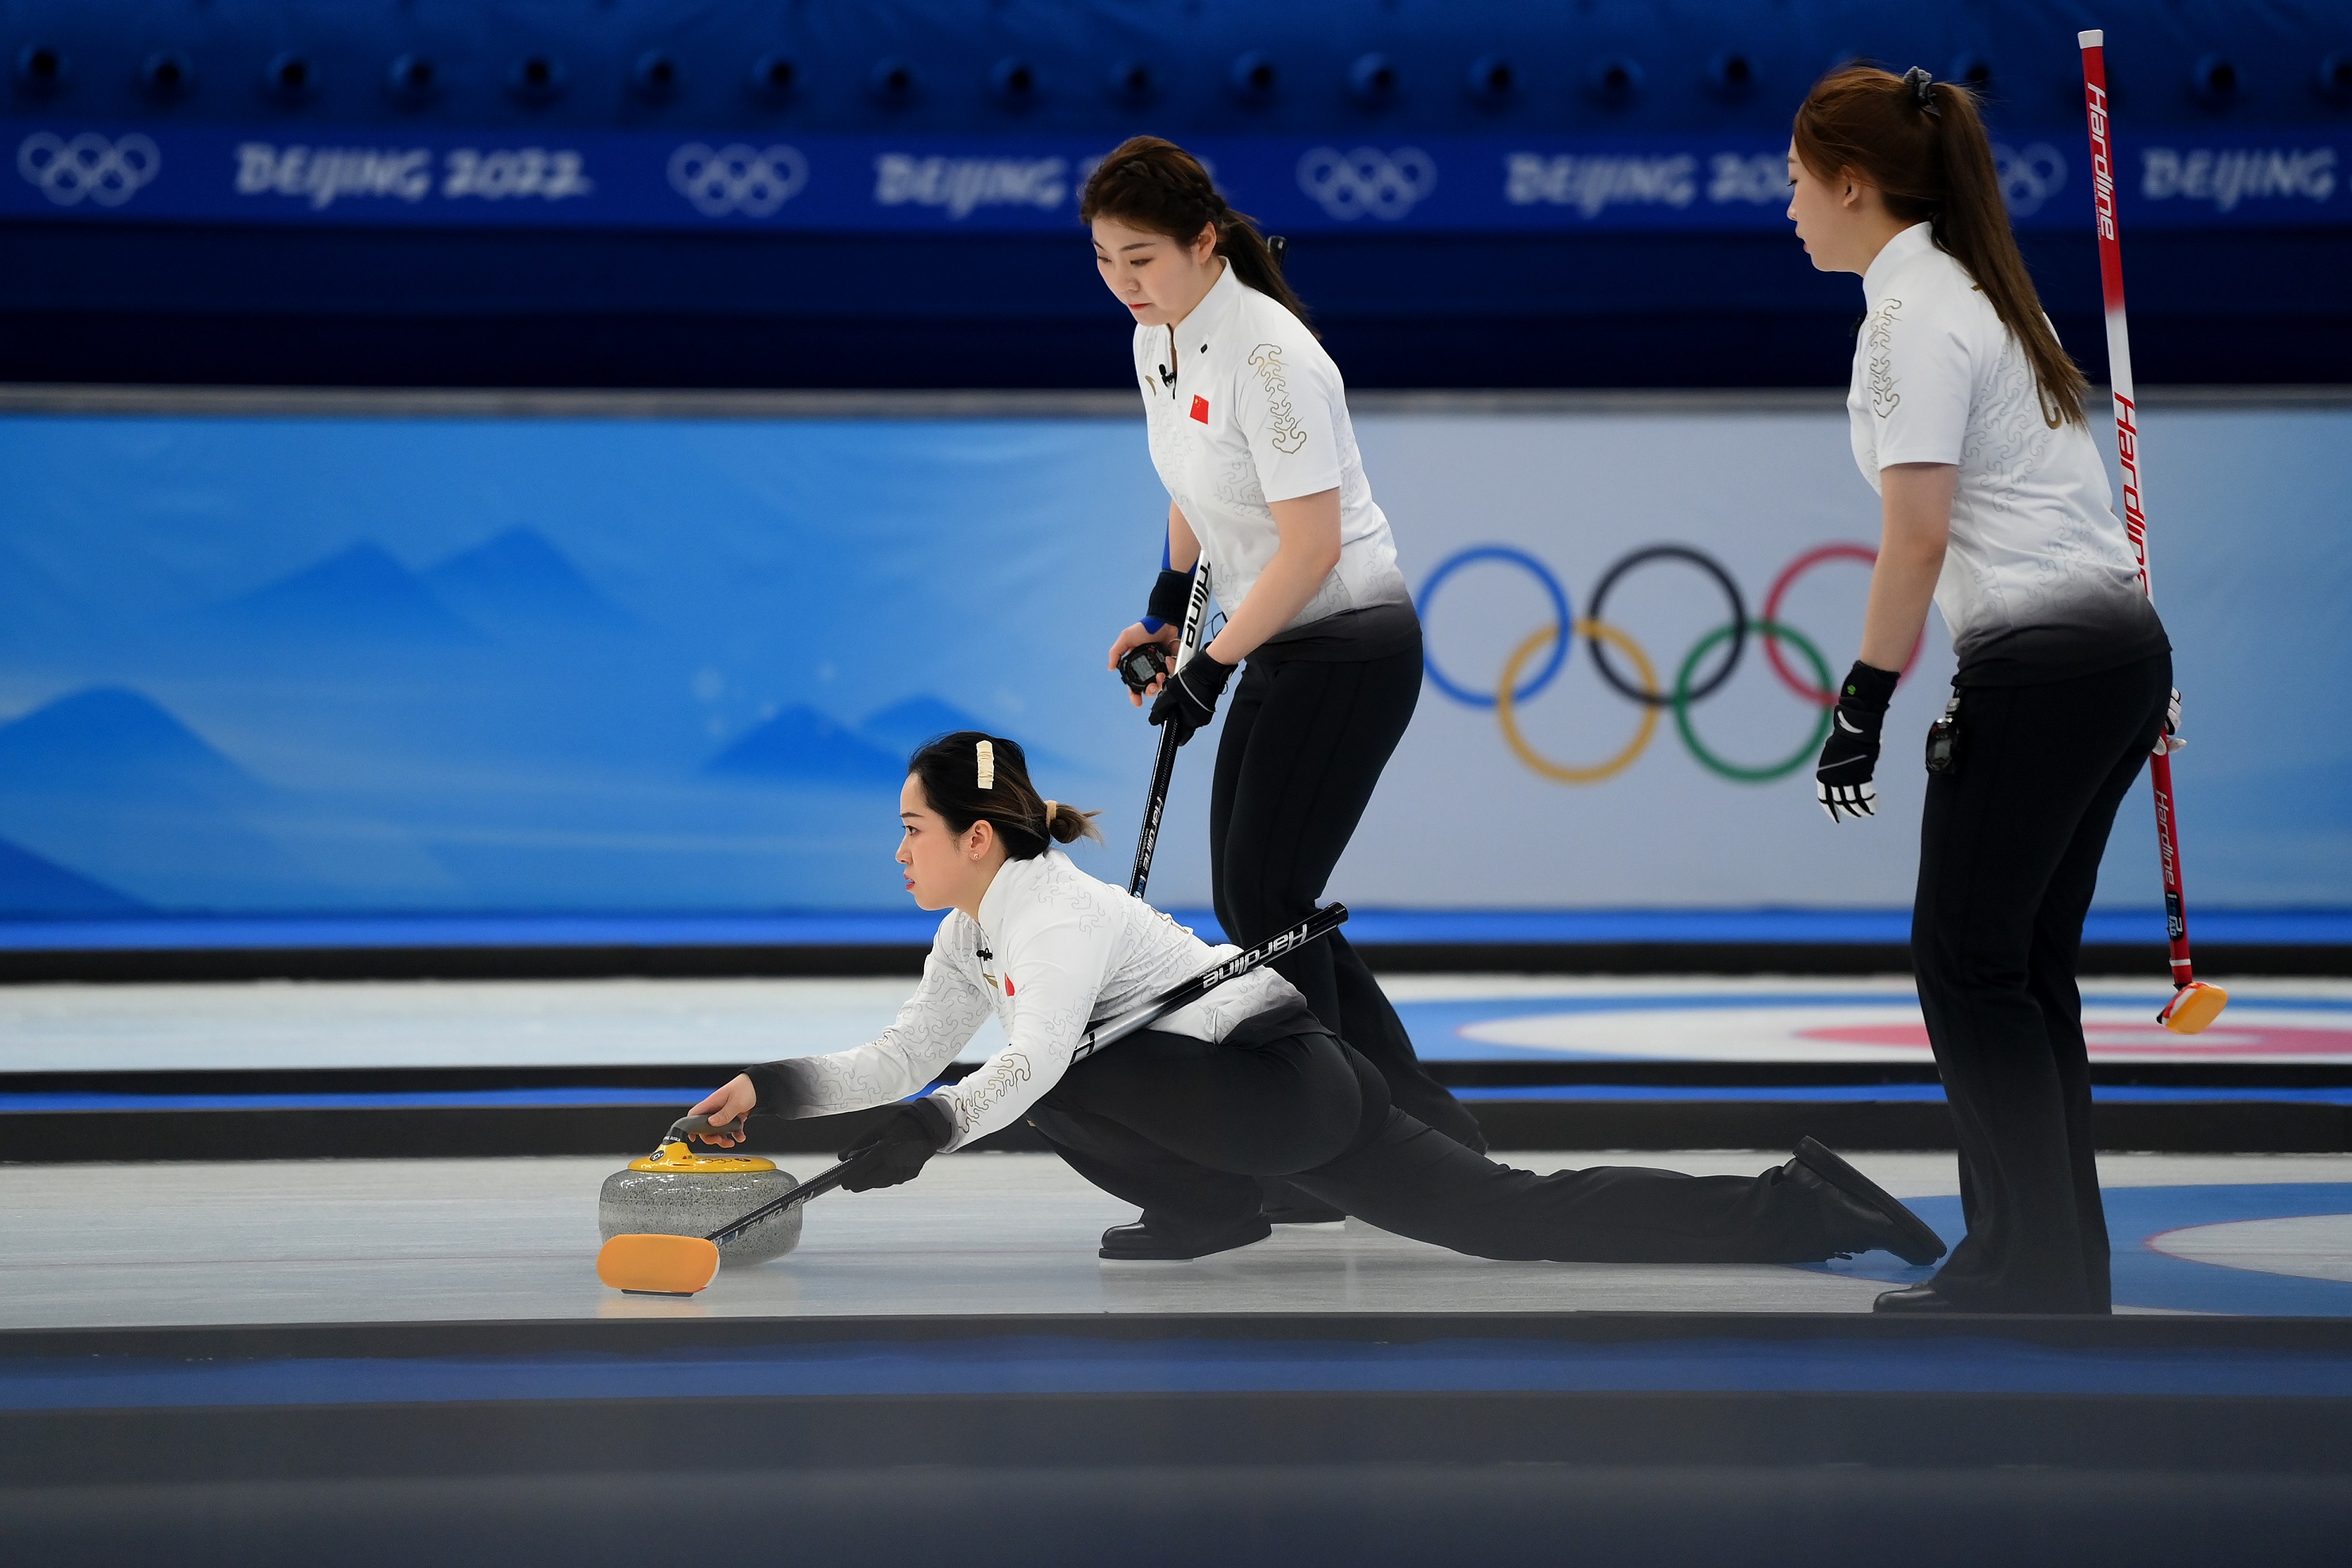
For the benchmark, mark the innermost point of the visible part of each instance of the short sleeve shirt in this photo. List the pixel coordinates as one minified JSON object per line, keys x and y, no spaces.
{"x":1245,"y":409}
{"x":2040,"y":582}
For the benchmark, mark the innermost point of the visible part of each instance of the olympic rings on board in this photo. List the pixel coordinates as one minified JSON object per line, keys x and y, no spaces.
{"x":108,"y":172}
{"x":1684,"y":695}
{"x":1825,"y":693}
{"x":1366,"y":180}
{"x":1507,"y":711}
{"x":1691,"y":684}
{"x":1559,"y":634}
{"x":1707,"y":563}
{"x":737,"y":177}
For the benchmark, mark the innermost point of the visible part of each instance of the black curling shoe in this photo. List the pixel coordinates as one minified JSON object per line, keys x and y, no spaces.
{"x":1144,"y":1242}
{"x":1916,"y":1299}
{"x":1879,"y":1219}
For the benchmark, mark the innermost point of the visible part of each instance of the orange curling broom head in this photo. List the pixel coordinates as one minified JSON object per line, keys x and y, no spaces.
{"x":657,"y":1265}
{"x":2192,"y":1006}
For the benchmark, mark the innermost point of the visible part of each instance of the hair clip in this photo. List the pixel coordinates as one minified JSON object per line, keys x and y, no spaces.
{"x":987,"y":751}
{"x":1922,"y":86}
{"x":1051,"y":807}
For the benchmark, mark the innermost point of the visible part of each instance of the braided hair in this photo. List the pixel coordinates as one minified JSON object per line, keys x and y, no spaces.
{"x":1922,"y":143}
{"x":1150,"y":183}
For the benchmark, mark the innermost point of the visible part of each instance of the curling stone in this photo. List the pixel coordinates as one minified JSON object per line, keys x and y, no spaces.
{"x":676,"y":1192}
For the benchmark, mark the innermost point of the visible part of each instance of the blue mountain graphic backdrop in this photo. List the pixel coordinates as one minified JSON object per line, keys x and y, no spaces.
{"x":348,"y":665}
{"x":608,"y":667}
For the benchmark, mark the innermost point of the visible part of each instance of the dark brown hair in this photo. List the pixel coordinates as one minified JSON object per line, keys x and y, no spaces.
{"x":950,"y":770}
{"x":1150,"y":183}
{"x":1932,"y":164}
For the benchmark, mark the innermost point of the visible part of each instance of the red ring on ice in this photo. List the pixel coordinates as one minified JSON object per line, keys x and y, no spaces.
{"x":2133,"y":1039}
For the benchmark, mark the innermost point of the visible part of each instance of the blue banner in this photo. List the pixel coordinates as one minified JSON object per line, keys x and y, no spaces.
{"x":270,"y":666}
{"x":67,"y":170}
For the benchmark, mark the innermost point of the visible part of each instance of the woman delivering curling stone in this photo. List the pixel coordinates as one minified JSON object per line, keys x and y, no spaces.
{"x":1967,"y":418}
{"x":1249,"y":430}
{"x":1184,"y":1118}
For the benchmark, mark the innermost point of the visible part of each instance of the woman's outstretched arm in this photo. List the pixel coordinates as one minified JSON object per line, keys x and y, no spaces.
{"x":936,"y":1023}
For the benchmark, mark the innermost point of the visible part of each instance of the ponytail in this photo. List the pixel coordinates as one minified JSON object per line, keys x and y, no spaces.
{"x":1247,"y":253}
{"x":1150,"y":183}
{"x":1922,"y":143}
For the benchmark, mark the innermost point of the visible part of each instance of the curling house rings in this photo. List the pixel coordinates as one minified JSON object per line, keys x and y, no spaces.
{"x":1626,"y":668}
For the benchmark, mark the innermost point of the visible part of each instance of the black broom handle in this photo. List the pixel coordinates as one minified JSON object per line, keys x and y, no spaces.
{"x":1164,"y":760}
{"x":1320,"y":923}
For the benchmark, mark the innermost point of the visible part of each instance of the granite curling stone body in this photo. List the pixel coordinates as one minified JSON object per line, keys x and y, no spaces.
{"x":676,"y":1192}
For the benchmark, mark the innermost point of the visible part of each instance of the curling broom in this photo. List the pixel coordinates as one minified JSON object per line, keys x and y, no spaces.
{"x":2195,"y":1003}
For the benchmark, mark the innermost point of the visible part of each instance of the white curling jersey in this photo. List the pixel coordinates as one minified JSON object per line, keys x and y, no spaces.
{"x":2038,"y":581}
{"x":1053,"y":952}
{"x":1256,"y":413}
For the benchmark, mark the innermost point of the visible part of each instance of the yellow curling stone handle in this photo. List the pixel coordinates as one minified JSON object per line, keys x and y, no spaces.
{"x":676,"y":1155}
{"x":679,"y":1157}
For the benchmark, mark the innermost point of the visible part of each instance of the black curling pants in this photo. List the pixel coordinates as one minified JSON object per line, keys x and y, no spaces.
{"x":1183,"y":1129}
{"x":1304,"y":743}
{"x":2009,"y":857}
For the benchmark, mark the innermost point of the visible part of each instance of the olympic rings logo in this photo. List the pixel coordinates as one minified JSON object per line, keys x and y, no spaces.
{"x":1350,"y":184}
{"x":2028,"y":175}
{"x":89,"y":166}
{"x":1623,"y":666}
{"x":737,"y":178}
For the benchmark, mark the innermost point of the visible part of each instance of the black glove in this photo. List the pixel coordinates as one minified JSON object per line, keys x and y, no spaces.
{"x":1189,"y":700}
{"x":896,"y":1150}
{"x":1850,"y":756}
{"x":1172,"y":596}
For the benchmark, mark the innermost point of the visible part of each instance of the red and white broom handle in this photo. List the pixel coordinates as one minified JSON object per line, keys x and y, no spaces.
{"x":2119,"y":373}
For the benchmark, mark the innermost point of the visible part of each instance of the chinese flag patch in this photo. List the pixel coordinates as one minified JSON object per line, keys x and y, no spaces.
{"x":1201,"y":409}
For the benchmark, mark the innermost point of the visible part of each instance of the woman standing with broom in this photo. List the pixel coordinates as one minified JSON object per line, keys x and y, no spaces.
{"x":1967,"y":417}
{"x":1249,"y":431}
